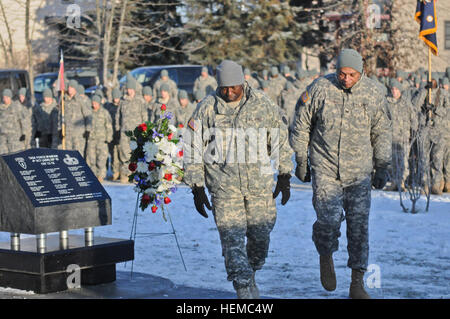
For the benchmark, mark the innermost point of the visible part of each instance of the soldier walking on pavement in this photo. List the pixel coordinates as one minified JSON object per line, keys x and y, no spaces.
{"x":241,"y":191}
{"x":342,"y":127}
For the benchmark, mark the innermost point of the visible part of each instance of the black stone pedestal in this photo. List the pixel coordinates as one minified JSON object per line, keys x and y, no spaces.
{"x":45,"y":272}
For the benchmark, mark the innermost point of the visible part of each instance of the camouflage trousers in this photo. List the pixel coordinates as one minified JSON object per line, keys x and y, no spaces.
{"x":400,"y":166}
{"x":330,"y":200}
{"x":75,"y":142}
{"x":96,"y":157}
{"x":10,"y":145}
{"x":433,"y":160}
{"x":124,"y":155}
{"x":113,"y":150}
{"x":239,"y":219}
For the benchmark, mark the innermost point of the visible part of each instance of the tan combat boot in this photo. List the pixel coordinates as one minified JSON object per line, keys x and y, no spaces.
{"x":436,"y":189}
{"x":447,"y":187}
{"x":115,"y":176}
{"x":357,"y":290}
{"x":253,"y":288}
{"x":243,"y":292}
{"x":124,"y":180}
{"x":327,"y":273}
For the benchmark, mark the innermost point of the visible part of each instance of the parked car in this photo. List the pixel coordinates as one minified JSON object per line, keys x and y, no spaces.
{"x":86,"y":77}
{"x":41,"y":82}
{"x":183,"y":75}
{"x":14,"y":79}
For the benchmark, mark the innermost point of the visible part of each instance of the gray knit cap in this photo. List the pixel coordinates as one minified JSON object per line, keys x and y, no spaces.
{"x":116,"y":94}
{"x":97,"y":98}
{"x":147,"y":91}
{"x":350,"y":58}
{"x":7,"y":92}
{"x":47,"y":93}
{"x":229,"y":73}
{"x":164,"y":87}
{"x":182,"y":94}
{"x":131,"y":84}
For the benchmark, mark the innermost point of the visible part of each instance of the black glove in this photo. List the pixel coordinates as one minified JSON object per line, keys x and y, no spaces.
{"x":429,"y":85}
{"x":283,"y":186}
{"x":49,"y":139}
{"x":201,"y":199}
{"x":22,"y":138}
{"x":38,"y":134}
{"x":380,"y":178}
{"x":86,"y":134}
{"x":302,"y":171}
{"x":60,"y":134}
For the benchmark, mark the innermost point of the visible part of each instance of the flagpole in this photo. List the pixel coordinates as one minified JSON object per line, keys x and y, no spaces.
{"x":429,"y":75}
{"x":63,"y":124}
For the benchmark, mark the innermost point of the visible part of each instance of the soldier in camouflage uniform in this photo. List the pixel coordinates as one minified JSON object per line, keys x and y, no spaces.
{"x":403,"y":117}
{"x":113,"y":148}
{"x":97,"y":144}
{"x":147,"y":93}
{"x":205,"y":82}
{"x":250,"y":79}
{"x":241,"y":190}
{"x":186,"y":109}
{"x":130,"y":114}
{"x":171,"y":104}
{"x":24,"y":103}
{"x":45,"y":121}
{"x":164,"y":79}
{"x":288,"y":100}
{"x":433,"y":127}
{"x":77,"y":120}
{"x":342,"y":127}
{"x":276,"y":85}
{"x":12,"y":126}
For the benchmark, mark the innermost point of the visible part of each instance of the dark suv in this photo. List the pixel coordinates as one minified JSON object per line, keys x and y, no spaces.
{"x":14,"y":79}
{"x":183,"y":75}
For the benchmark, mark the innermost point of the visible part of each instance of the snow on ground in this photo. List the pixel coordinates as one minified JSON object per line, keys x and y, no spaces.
{"x":409,"y":254}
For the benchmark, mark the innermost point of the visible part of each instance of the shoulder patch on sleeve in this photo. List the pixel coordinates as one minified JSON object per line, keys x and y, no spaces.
{"x":192,"y":125}
{"x":305,"y":96}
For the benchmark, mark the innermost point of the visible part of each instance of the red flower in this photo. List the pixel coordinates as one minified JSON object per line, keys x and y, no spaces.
{"x":180,"y":153}
{"x":170,"y":136}
{"x":167,"y":200}
{"x":180,"y":125}
{"x":143,"y":127}
{"x":168,"y":176}
{"x":151,"y":166}
{"x":132,"y":166}
{"x":163,"y":107}
{"x":154,"y":208}
{"x":145,"y":199}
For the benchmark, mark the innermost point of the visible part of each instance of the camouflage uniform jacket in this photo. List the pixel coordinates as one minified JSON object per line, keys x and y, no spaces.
{"x":77,"y":115}
{"x":9,"y":117}
{"x":184,"y":114}
{"x":214,"y":158}
{"x":172,"y":106}
{"x":130,"y":114}
{"x":403,"y":119}
{"x":102,"y":129}
{"x":173,"y":88}
{"x":346,"y":131}
{"x":208,"y":85}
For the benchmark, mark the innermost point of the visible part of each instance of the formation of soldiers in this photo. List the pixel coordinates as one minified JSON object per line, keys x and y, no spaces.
{"x":96,"y":126}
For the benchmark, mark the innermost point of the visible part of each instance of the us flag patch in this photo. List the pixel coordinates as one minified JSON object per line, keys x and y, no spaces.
{"x":192,"y":125}
{"x":305,"y":97}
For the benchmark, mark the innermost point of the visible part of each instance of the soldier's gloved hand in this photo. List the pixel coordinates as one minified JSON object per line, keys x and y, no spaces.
{"x":201,"y":199}
{"x":283,"y":186}
{"x":60,"y":134}
{"x":22,"y":138}
{"x":86,"y":134}
{"x":380,"y":178}
{"x":38,"y":134}
{"x":302,"y":171}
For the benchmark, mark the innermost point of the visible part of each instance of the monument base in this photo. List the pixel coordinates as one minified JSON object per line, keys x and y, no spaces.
{"x":43,"y":272}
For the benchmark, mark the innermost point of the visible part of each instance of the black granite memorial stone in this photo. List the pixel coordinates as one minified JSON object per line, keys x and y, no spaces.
{"x":45,"y":191}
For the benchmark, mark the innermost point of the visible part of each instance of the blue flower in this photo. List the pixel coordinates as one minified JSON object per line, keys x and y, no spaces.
{"x":168,"y":115}
{"x":155,"y":134}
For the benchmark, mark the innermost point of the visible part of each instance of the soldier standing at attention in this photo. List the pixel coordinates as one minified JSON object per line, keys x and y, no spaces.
{"x":130,"y":114}
{"x":241,"y":190}
{"x":97,"y":144}
{"x":342,"y":127}
{"x":45,"y":121}
{"x":112,"y":108}
{"x":11,"y":134}
{"x":205,"y":82}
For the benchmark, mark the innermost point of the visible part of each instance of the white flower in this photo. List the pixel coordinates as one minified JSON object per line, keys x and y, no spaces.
{"x":150,"y":150}
{"x":142,"y":167}
{"x":172,"y":128}
{"x":133,"y":145}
